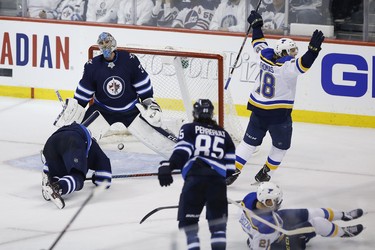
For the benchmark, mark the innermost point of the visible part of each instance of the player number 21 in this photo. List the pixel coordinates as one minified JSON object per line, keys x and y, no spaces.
{"x":267,"y":84}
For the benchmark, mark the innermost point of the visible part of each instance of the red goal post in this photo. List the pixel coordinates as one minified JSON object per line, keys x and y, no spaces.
{"x":180,"y":77}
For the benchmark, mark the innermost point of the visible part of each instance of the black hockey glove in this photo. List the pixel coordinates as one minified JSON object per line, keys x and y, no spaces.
{"x":231,"y":178}
{"x":316,"y":41}
{"x":255,"y":20}
{"x":165,"y":174}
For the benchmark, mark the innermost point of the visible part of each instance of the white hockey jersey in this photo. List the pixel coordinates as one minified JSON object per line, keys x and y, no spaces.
{"x":102,"y":11}
{"x":36,"y":6}
{"x":260,"y":235}
{"x":277,"y":79}
{"x":230,"y":16}
{"x":163,"y":15}
{"x":73,"y":10}
{"x":194,"y":18}
{"x":144,"y":11}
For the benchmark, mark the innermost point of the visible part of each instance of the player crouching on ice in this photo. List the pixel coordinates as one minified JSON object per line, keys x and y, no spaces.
{"x":266,"y":203}
{"x":68,"y":155}
{"x":205,"y":154}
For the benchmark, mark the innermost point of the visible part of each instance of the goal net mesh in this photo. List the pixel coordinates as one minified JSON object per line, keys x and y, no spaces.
{"x":180,"y":77}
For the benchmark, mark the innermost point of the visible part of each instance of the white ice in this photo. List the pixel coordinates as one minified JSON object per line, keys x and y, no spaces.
{"x":327,"y":166}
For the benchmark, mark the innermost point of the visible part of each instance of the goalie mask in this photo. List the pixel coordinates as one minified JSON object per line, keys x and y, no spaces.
{"x":107,"y":44}
{"x":270,"y":195}
{"x":286,"y":46}
{"x":203,"y":109}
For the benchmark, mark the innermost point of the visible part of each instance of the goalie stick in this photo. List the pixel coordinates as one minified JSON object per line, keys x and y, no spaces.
{"x":156,"y":210}
{"x":120,"y":176}
{"x":62,"y":104}
{"x":280,"y":229}
{"x":240,"y":51}
{"x":96,"y":191}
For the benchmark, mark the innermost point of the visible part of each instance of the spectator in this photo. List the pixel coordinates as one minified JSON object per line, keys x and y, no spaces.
{"x":163,"y":13}
{"x":344,"y":9}
{"x":42,"y":8}
{"x":73,"y":10}
{"x":306,"y":11}
{"x":102,"y":11}
{"x":195,"y":14}
{"x":273,"y":17}
{"x":144,"y":8}
{"x":230,"y":16}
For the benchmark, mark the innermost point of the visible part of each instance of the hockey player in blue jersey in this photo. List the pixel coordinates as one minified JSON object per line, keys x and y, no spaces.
{"x":266,"y":201}
{"x":205,"y":155}
{"x":271,"y":101}
{"x":69,"y":154}
{"x":122,"y":92}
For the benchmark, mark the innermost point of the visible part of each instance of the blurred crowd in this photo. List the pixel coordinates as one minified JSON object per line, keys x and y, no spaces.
{"x":224,"y":15}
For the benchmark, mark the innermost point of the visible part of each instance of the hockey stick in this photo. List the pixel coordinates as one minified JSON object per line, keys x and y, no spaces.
{"x":240,"y":51}
{"x":60,"y":98}
{"x":156,"y":210}
{"x":120,"y":176}
{"x":96,"y":191}
{"x":302,"y":230}
{"x":62,"y":104}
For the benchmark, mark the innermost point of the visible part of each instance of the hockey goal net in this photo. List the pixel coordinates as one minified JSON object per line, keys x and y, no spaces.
{"x":180,"y":77}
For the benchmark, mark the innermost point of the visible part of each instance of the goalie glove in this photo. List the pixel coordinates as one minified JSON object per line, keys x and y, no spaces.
{"x":150,"y":111}
{"x":72,"y":112}
{"x":165,"y":174}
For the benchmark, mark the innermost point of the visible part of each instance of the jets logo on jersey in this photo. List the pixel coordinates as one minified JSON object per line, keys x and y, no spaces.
{"x":114,"y":87}
{"x":191,"y":19}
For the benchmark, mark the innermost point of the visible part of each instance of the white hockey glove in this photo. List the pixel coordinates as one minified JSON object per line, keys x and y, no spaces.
{"x":72,"y":112}
{"x":150,"y":111}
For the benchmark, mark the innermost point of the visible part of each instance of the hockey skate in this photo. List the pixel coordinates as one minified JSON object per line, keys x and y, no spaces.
{"x":45,"y":180}
{"x":262,"y":175}
{"x":351,"y":231}
{"x":51,"y":191}
{"x":229,"y":180}
{"x":351,"y":215}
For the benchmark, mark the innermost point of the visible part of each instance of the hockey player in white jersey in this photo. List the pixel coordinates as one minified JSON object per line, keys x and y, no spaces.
{"x":143,"y":15}
{"x":265,"y":203}
{"x":102,"y":11}
{"x":272,"y":99}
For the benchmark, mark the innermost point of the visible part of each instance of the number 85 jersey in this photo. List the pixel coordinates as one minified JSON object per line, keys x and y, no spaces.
{"x":210,"y":143}
{"x":275,"y":91}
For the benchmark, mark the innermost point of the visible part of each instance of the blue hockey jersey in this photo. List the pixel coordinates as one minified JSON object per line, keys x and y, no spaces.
{"x":212,"y":144}
{"x":117,"y":85}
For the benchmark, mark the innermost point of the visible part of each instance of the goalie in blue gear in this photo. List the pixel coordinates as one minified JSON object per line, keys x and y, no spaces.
{"x":205,"y":155}
{"x":121,"y":91}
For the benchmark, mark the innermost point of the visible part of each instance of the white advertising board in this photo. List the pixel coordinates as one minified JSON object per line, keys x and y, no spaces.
{"x":52,"y":55}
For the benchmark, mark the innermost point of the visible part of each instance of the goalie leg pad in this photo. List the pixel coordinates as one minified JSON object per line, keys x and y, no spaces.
{"x":156,"y":138}
{"x":97,"y":125}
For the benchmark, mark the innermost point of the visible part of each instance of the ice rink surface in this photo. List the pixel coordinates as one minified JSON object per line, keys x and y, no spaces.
{"x":327,"y":166}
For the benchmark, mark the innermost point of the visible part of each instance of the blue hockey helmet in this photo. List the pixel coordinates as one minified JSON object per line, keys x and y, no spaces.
{"x":107,"y":44}
{"x":203,"y":109}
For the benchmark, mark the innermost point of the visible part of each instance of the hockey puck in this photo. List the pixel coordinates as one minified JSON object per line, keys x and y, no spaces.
{"x":120,"y":146}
